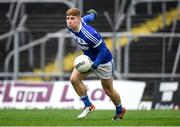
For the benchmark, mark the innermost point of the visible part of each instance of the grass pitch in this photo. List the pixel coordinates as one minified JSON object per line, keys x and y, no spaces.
{"x":12,"y":117}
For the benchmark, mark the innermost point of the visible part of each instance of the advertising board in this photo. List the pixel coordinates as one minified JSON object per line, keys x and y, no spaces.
{"x":60,"y":94}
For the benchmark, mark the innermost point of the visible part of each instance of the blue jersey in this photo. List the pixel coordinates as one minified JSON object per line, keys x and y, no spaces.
{"x":91,"y":43}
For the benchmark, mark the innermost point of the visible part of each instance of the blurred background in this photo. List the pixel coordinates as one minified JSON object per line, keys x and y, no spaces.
{"x":143,"y":36}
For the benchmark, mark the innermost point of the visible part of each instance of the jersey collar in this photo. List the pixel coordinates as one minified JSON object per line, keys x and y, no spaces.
{"x":80,"y":26}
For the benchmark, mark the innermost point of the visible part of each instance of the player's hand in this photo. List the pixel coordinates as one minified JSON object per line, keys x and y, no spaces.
{"x":91,"y":69}
{"x":92,"y":11}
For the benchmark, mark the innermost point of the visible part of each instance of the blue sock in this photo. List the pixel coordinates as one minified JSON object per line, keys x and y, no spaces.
{"x":118,"y":109}
{"x":86,"y":101}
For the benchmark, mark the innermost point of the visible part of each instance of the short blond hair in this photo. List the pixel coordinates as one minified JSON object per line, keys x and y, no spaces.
{"x":73,"y":12}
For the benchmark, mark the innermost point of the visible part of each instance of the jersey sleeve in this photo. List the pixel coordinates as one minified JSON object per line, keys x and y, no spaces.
{"x":94,"y":38}
{"x":89,"y":18}
{"x":97,"y":42}
{"x":101,"y":55}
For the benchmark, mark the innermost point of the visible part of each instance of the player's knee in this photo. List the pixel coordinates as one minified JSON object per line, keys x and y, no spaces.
{"x":107,"y":92}
{"x":74,"y":80}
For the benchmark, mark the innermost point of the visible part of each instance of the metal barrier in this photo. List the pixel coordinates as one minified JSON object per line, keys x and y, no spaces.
{"x":62,"y":36}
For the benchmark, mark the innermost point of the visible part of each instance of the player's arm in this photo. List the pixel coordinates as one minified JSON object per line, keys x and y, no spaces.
{"x":100,"y":57}
{"x":91,"y":15}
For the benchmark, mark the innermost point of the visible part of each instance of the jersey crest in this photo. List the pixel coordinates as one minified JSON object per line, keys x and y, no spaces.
{"x":82,"y":44}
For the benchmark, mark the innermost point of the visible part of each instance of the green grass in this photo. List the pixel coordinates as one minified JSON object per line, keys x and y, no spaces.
{"x":12,"y":117}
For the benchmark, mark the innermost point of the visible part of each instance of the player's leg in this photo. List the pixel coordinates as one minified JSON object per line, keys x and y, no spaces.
{"x":76,"y":80}
{"x":110,"y":91}
{"x":105,"y":72}
{"x":107,"y":85}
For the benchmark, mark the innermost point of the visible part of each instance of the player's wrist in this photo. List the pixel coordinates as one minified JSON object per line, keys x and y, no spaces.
{"x":93,"y":67}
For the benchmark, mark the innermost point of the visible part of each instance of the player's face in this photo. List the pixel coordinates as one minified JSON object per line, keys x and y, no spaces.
{"x":73,"y":22}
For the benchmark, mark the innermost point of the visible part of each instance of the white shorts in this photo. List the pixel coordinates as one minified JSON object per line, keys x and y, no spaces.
{"x":105,"y":71}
